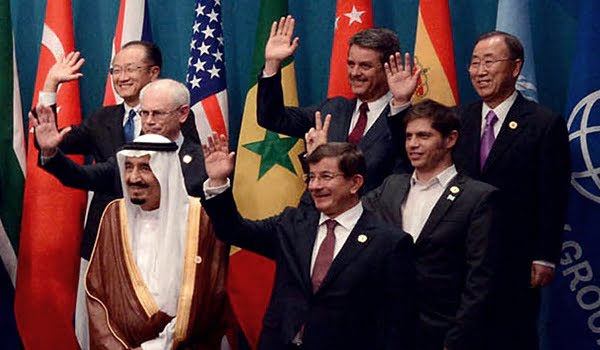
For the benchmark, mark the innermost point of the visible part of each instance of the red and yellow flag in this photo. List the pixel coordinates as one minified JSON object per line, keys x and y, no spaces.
{"x":434,"y":53}
{"x":350,"y":17}
{"x":52,"y":221}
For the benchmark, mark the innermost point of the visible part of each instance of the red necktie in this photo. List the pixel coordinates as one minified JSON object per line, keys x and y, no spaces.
{"x":359,"y":129}
{"x":324,"y":256}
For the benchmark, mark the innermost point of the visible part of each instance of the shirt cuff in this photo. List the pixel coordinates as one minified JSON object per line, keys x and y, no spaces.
{"x":47,"y":98}
{"x":210,"y":192}
{"x":397,"y":109}
{"x":264,"y":75}
{"x":46,"y":159}
{"x":544,"y":263}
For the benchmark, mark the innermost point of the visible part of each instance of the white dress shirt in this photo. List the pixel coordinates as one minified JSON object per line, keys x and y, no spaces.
{"x":501,"y":111}
{"x":421,"y":198}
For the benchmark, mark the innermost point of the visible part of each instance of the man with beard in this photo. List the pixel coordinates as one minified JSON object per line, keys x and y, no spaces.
{"x":156,"y":277}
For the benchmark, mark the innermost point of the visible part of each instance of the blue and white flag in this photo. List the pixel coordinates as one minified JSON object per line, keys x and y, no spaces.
{"x":513,"y":18}
{"x":571,"y":304}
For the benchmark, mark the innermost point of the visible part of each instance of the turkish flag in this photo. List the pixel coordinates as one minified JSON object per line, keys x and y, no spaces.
{"x":350,"y":18}
{"x":51,"y":230}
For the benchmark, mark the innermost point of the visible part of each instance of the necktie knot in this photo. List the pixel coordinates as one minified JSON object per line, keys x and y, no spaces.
{"x":129,"y":127}
{"x":331,"y":224}
{"x":491,"y":118}
{"x":364,"y":107}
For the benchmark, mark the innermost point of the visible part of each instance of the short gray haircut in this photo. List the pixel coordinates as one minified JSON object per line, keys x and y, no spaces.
{"x":179,"y":93}
{"x":382,"y":40}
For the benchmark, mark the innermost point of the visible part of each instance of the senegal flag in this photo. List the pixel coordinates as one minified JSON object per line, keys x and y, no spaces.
{"x":12,"y":177}
{"x":434,"y":53}
{"x":268,"y":177}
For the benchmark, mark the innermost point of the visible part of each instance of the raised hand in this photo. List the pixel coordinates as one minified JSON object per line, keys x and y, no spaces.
{"x":402,"y":78}
{"x":318,"y":135}
{"x":46,"y":132}
{"x":218,"y":160}
{"x":65,"y":69}
{"x":280,"y":44}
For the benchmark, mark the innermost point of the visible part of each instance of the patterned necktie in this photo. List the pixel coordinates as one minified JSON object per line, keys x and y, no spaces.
{"x":488,"y":138}
{"x":359,"y":129}
{"x":129,"y":127}
{"x":324,"y":256}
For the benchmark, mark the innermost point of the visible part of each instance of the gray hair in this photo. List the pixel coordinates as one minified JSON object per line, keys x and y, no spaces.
{"x":382,"y":40}
{"x":179,"y":93}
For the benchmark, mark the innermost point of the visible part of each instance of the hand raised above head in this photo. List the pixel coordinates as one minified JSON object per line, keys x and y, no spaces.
{"x":402,"y":78}
{"x":46,"y":132}
{"x":318,"y":135}
{"x":280,"y":44}
{"x":217,"y":159}
{"x":65,"y":69}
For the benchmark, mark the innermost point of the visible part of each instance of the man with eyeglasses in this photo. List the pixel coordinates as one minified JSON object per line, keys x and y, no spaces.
{"x":344,"y":279}
{"x":164,"y":107}
{"x":522,"y":148}
{"x":361,"y":120}
{"x":102,"y":134}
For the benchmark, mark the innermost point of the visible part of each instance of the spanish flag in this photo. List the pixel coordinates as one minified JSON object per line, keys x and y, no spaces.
{"x":434,"y":53}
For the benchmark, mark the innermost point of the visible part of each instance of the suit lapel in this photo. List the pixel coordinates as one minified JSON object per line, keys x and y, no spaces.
{"x":351,"y":248}
{"x":511,"y":128}
{"x":115,"y":127}
{"x":338,"y":130}
{"x":398,"y":190}
{"x":304,"y":246}
{"x":452,"y":192}
{"x":377,"y":129}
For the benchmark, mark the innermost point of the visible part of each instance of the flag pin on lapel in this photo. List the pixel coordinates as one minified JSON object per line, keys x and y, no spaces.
{"x":187,"y":159}
{"x":362,"y":238}
{"x":453,"y":190}
{"x":513,"y":125}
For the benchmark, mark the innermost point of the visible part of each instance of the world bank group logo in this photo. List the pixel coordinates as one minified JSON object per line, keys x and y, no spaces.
{"x":584,"y":139}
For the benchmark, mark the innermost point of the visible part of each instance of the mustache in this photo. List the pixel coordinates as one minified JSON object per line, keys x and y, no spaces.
{"x":137,"y":184}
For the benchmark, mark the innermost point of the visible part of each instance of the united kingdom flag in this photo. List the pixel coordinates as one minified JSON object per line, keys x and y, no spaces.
{"x":206,"y":70}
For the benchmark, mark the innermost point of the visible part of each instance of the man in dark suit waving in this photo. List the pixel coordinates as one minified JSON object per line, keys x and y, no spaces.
{"x":361,"y":120}
{"x":344,"y":280}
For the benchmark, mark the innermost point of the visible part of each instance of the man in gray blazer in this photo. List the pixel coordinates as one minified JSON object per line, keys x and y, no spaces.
{"x":453,"y":221}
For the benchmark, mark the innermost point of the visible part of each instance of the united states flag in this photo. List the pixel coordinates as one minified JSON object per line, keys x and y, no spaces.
{"x":206,"y":70}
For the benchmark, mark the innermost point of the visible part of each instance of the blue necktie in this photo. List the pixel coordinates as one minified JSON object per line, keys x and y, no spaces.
{"x":129,"y":127}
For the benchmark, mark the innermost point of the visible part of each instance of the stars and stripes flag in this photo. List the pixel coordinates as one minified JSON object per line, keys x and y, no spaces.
{"x":133,"y":24}
{"x":350,"y":18}
{"x":206,"y":70}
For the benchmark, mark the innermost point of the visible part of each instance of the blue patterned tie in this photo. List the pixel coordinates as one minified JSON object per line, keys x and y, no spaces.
{"x":129,"y":127}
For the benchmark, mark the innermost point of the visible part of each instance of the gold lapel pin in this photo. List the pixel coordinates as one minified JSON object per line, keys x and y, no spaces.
{"x":198,"y":259}
{"x":362,"y":238}
{"x":454,"y":189}
{"x":187,"y":159}
{"x":513,"y":125}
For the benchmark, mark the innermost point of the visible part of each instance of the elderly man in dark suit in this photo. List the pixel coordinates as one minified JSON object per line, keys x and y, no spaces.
{"x":164,"y":108}
{"x":361,"y":120}
{"x":454,"y":222}
{"x":523,"y":149}
{"x":344,"y":279}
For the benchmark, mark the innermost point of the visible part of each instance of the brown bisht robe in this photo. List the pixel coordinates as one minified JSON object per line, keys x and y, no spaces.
{"x":122,"y":313}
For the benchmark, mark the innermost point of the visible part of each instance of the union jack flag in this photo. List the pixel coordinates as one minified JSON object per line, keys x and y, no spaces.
{"x":206,"y":70}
